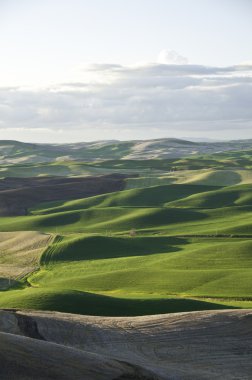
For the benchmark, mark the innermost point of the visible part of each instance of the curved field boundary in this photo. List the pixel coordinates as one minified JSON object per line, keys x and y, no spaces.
{"x":46,"y":255}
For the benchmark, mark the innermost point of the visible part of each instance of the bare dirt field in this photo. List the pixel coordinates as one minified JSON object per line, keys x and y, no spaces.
{"x":195,"y":345}
{"x":19,"y":194}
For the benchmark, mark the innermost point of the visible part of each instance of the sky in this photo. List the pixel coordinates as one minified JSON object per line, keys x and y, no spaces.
{"x":85,"y":70}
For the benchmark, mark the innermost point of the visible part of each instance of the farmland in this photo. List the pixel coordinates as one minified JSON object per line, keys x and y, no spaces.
{"x":164,"y":240}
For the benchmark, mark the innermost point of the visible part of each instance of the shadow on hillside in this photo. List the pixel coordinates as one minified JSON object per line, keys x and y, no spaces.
{"x":57,"y":220}
{"x":104,"y":247}
{"x":6,"y":283}
{"x":93,"y":304}
{"x":166,"y":216}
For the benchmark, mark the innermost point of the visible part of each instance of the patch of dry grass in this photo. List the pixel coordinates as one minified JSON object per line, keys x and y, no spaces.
{"x":20,"y":252}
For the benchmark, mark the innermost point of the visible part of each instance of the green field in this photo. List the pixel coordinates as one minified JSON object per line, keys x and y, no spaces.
{"x":148,"y":266}
{"x":166,"y":210}
{"x":165,"y":248}
{"x":178,"y":238}
{"x":97,"y":274}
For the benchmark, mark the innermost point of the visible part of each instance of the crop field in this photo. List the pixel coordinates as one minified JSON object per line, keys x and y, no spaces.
{"x":170,"y":240}
{"x":20,"y":254}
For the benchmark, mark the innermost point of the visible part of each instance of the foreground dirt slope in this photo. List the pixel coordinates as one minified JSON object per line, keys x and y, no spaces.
{"x":197,"y":345}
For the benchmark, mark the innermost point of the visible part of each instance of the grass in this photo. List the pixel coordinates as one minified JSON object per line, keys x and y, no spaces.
{"x":96,"y":274}
{"x":145,"y":220}
{"x":149,"y":265}
{"x":167,"y":210}
{"x":154,"y":196}
{"x":161,"y":248}
{"x":240,"y":195}
{"x":94,"y":304}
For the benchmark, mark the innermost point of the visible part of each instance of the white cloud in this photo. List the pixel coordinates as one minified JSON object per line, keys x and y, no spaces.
{"x":168,"y":57}
{"x":172,"y":100}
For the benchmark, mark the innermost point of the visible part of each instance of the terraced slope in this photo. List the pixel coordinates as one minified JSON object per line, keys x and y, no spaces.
{"x":201,"y":345}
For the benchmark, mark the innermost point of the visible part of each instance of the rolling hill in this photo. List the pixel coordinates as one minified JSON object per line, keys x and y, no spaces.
{"x":158,"y":238}
{"x":152,"y":244}
{"x":15,"y":152}
{"x":145,"y":244}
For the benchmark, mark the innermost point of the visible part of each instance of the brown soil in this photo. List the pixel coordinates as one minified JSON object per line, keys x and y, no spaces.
{"x":17,"y":195}
{"x":186,"y":346}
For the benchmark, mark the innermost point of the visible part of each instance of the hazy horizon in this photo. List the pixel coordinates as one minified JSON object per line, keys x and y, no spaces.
{"x":196,"y":140}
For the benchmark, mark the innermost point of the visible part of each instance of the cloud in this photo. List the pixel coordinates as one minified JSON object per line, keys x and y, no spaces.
{"x":168,"y":57}
{"x":166,"y":100}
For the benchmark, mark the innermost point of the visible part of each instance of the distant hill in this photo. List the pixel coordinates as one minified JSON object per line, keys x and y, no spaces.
{"x":15,"y":152}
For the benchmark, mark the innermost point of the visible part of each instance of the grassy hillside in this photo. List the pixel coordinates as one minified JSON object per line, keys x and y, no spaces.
{"x":94,"y":304}
{"x":146,"y":211}
{"x":138,"y":275}
{"x":144,"y":197}
{"x":149,"y":266}
{"x":177,"y":239}
{"x":230,"y":196}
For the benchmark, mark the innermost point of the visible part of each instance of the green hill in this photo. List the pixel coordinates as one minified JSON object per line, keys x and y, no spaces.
{"x":94,"y":304}
{"x":150,"y":210}
{"x":155,"y":196}
{"x":138,"y":275}
{"x":156,"y":249}
{"x":231,"y":196}
{"x":144,"y":265}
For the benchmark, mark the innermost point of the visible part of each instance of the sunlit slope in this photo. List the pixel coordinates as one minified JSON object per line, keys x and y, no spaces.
{"x":226,"y":211}
{"x":220,"y":177}
{"x":178,"y":239}
{"x":109,"y":220}
{"x":155,"y":196}
{"x":102,"y":275}
{"x":173,"y":221}
{"x":116,"y":249}
{"x":230,"y":196}
{"x":149,"y":265}
{"x":206,"y":177}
